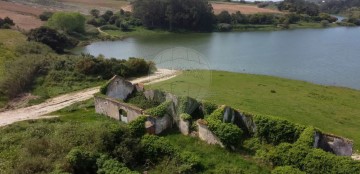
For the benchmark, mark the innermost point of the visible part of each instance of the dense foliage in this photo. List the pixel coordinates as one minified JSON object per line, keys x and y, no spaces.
{"x":303,"y":156}
{"x":275,"y":131}
{"x":300,"y":7}
{"x":137,"y":126}
{"x":335,"y":7}
{"x":36,"y":68}
{"x":6,"y":23}
{"x":228,"y":133}
{"x":159,"y":111}
{"x":208,"y":107}
{"x":138,"y":99}
{"x":67,"y":21}
{"x":156,"y":148}
{"x":286,"y":170}
{"x":51,"y":37}
{"x":175,"y":14}
{"x":45,"y":16}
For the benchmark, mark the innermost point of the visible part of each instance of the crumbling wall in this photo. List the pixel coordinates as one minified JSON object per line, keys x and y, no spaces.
{"x":119,"y":88}
{"x":206,"y":135}
{"x":111,"y":108}
{"x":184,"y":126}
{"x":161,"y":123}
{"x":334,"y":144}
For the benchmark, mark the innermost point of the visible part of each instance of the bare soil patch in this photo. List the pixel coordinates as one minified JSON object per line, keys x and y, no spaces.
{"x":24,"y":16}
{"x":114,"y":4}
{"x":243,"y":8}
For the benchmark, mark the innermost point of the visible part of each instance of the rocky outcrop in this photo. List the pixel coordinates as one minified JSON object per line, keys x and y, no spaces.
{"x":119,"y":88}
{"x":206,"y":135}
{"x":334,"y":144}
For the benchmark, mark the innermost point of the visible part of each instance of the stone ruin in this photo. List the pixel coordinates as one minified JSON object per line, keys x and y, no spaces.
{"x":118,"y":90}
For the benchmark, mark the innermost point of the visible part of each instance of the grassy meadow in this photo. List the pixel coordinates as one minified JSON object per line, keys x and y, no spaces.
{"x":332,"y":109}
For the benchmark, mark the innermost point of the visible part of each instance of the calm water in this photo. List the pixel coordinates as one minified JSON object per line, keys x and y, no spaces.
{"x":324,"y":56}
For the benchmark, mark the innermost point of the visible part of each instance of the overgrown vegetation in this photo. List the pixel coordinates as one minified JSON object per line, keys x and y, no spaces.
{"x":6,"y":23}
{"x":297,"y":101}
{"x":160,"y":110}
{"x":228,"y":133}
{"x":34,"y":67}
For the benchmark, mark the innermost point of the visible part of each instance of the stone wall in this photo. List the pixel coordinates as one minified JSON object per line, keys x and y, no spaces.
{"x":184,"y":126}
{"x":334,"y":144}
{"x":161,"y":123}
{"x":119,"y":88}
{"x":111,"y":108}
{"x":206,"y":135}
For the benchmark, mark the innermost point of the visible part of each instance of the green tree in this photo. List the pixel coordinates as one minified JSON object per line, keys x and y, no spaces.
{"x":95,"y":13}
{"x":224,"y":17}
{"x":68,"y":22}
{"x":55,"y":40}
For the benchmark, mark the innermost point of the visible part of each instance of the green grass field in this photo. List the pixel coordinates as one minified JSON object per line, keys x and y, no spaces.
{"x":136,"y":32}
{"x":8,"y":41}
{"x":332,"y":109}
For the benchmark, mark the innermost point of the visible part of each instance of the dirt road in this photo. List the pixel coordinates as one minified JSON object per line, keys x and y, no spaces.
{"x":54,"y":104}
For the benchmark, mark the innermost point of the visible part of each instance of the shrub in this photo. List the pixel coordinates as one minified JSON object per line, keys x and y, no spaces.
{"x":286,"y":170}
{"x":6,"y":23}
{"x":55,"y":40}
{"x":228,"y":133}
{"x":46,"y":15}
{"x":95,"y":13}
{"x":107,"y":165}
{"x":137,"y":126}
{"x":138,"y":99}
{"x":275,"y":130}
{"x":307,"y":137}
{"x":155,"y":147}
{"x":208,"y":107}
{"x":224,"y":27}
{"x":81,"y":161}
{"x":185,"y":116}
{"x":68,"y":22}
{"x":160,"y":110}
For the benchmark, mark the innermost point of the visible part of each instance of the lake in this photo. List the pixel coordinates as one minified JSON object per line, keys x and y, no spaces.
{"x":325,"y":56}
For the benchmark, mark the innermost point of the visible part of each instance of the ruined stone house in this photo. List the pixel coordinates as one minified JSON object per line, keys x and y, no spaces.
{"x":118,"y":90}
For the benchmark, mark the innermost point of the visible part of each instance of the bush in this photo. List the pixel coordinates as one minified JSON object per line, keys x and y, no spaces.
{"x":275,"y":130}
{"x":137,"y":126}
{"x":81,"y":161}
{"x":46,"y":15}
{"x":160,"y":110}
{"x":6,"y":23}
{"x":155,"y":147}
{"x":208,"y":107}
{"x":286,"y":170}
{"x":107,"y":165}
{"x":224,"y":27}
{"x":185,"y":116}
{"x":138,"y":99}
{"x":228,"y":133}
{"x":68,"y":22}
{"x":55,"y":40}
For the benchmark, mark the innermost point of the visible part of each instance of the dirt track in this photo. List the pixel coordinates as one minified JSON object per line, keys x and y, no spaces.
{"x":243,"y":8}
{"x":54,"y":104}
